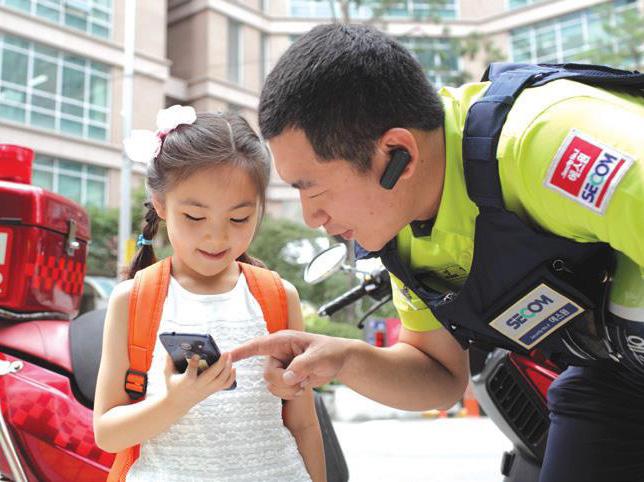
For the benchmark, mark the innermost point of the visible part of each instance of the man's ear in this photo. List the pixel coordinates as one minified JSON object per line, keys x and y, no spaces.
{"x":397,"y":138}
{"x":159,"y":205}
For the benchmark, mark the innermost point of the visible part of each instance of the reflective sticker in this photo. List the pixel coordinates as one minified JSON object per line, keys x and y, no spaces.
{"x":5,"y":251}
{"x":587,"y":171}
{"x":535,"y":316}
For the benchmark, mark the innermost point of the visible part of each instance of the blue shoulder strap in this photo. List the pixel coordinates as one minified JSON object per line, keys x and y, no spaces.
{"x":486,"y":116}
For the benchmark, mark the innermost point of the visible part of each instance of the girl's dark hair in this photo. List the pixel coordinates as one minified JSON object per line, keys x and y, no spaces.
{"x":212,"y":140}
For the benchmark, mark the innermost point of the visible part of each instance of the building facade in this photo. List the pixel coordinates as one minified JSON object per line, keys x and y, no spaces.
{"x":62,"y":64}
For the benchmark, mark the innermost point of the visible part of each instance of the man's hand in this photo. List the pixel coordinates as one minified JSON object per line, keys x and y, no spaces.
{"x":297,"y":360}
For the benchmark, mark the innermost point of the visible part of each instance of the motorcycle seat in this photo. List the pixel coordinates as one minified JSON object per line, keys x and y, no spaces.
{"x":86,"y":345}
{"x":45,"y":340}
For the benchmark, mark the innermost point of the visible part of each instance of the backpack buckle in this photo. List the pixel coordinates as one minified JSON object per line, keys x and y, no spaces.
{"x":136,"y":383}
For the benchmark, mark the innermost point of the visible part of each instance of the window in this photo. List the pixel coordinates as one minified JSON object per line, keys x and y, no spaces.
{"x":83,"y":183}
{"x":50,"y":89}
{"x":234,"y":51}
{"x":436,"y":56}
{"x":512,"y":4}
{"x":567,"y":38}
{"x":94,"y":17}
{"x":418,"y":9}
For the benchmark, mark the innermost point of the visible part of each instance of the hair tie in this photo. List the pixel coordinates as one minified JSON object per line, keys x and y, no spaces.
{"x":141,"y":241}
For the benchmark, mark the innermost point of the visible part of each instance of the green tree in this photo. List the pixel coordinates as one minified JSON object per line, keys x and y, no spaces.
{"x":621,"y":44}
{"x":103,"y":248}
{"x":269,"y":246}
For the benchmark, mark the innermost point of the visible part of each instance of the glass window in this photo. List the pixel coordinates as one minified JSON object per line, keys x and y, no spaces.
{"x":84,"y":183}
{"x":32,"y":91}
{"x":521,"y":3}
{"x":436,"y":56}
{"x":95,"y":193}
{"x":43,"y":179}
{"x":46,"y":121}
{"x":93,"y":17}
{"x":98,"y":90}
{"x":418,"y":9}
{"x":70,"y":186}
{"x":45,"y":75}
{"x":14,"y":67}
{"x":23,"y":5}
{"x":569,"y":38}
{"x":49,"y":13}
{"x":12,"y":113}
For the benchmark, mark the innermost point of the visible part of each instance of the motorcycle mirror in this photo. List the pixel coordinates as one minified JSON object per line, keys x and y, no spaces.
{"x":325,"y":264}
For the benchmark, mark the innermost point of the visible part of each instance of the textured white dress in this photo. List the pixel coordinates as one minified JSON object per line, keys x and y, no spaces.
{"x":235,"y":435}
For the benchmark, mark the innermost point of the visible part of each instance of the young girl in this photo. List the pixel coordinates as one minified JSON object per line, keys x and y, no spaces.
{"x":207,"y":177}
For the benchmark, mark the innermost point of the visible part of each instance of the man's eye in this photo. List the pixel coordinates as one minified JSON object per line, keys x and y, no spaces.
{"x":316,"y":195}
{"x":190,"y":218}
{"x":240,"y":220}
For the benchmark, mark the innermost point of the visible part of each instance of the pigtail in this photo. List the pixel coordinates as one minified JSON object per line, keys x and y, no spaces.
{"x":245,"y":258}
{"x":145,"y":255}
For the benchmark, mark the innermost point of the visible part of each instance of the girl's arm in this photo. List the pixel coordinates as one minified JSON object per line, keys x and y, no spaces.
{"x":119,"y":424}
{"x":299,"y":414}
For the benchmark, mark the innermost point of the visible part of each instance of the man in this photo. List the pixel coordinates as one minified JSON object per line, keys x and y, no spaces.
{"x":376,"y":154}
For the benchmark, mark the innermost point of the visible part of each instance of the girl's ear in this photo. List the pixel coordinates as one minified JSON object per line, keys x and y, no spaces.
{"x":159,"y":206}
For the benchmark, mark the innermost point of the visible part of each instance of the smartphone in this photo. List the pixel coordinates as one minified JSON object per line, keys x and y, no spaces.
{"x":182,"y":346}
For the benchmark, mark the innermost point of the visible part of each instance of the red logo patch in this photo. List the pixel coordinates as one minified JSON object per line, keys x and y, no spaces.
{"x":587,"y":171}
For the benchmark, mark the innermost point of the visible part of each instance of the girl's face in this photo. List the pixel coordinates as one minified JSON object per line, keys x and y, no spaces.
{"x":211,"y":218}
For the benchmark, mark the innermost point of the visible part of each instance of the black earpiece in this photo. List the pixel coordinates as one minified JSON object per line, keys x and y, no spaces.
{"x":399,"y":160}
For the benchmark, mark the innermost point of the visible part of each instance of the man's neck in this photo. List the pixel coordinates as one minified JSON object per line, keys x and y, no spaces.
{"x":428,"y":186}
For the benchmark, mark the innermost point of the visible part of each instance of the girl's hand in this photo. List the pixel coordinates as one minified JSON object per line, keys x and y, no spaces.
{"x":187,"y":389}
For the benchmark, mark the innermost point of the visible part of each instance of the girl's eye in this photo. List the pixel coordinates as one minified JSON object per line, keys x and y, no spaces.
{"x":240,"y":220}
{"x":190,"y":218}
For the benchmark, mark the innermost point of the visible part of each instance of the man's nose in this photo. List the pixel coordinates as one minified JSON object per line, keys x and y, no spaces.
{"x":314,"y":216}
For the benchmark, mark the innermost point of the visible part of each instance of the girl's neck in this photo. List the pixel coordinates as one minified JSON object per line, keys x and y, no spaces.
{"x":195,"y":282}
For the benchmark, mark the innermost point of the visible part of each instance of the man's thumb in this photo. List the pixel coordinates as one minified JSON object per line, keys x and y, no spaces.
{"x":300,"y":368}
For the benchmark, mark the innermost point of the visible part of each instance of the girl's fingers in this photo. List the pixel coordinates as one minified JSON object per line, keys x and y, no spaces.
{"x":193,"y":366}
{"x":169,"y":366}
{"x":231,"y":378}
{"x":214,"y":371}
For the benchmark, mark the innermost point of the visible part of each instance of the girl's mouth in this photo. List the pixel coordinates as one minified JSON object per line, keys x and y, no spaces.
{"x":209,"y":255}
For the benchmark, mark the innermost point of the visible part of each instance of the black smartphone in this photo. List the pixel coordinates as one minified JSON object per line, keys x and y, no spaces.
{"x":182,"y":346}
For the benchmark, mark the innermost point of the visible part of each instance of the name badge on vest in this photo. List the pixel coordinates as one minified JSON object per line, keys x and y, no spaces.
{"x":535,"y":316}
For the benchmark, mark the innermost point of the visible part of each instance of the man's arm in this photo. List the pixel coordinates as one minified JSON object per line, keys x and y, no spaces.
{"x":424,"y":370}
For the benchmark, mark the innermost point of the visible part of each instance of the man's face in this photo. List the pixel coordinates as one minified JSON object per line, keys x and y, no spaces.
{"x":334,"y":195}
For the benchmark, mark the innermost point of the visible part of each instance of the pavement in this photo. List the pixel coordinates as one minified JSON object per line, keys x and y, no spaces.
{"x":465,"y":449}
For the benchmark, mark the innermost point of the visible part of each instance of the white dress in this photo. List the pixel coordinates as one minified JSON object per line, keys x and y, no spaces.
{"x":235,"y":435}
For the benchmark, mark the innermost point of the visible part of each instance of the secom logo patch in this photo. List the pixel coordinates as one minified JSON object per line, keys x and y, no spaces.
{"x":586,"y":171}
{"x":535,"y":316}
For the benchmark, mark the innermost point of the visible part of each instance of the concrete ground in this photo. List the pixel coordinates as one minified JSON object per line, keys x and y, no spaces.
{"x":408,"y":450}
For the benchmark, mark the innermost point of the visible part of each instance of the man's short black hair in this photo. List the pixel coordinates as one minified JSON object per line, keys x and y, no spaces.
{"x":345,"y":86}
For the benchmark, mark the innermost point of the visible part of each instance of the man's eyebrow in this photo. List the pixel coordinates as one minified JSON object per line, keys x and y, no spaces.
{"x":301,"y":184}
{"x":193,"y":202}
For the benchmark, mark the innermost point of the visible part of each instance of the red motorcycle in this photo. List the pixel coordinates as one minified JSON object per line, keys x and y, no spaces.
{"x":48,"y":363}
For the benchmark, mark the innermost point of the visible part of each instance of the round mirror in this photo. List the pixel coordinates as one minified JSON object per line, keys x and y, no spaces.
{"x":325,"y":264}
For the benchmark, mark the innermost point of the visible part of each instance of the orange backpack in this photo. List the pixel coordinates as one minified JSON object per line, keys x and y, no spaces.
{"x":145,"y":308}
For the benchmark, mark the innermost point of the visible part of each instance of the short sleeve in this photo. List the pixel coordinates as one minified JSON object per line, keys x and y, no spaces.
{"x":414,"y":314}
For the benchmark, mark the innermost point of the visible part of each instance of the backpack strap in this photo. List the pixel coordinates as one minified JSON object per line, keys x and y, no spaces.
{"x":268,"y":289}
{"x":486,"y":117}
{"x":144,"y":315}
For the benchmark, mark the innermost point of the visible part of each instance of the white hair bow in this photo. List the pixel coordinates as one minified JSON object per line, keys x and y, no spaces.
{"x":143,"y":145}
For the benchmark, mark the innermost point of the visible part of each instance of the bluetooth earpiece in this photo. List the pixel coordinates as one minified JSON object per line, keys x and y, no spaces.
{"x":399,"y":160}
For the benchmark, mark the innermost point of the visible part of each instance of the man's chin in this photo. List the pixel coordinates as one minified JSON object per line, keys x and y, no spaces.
{"x":371,"y":244}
